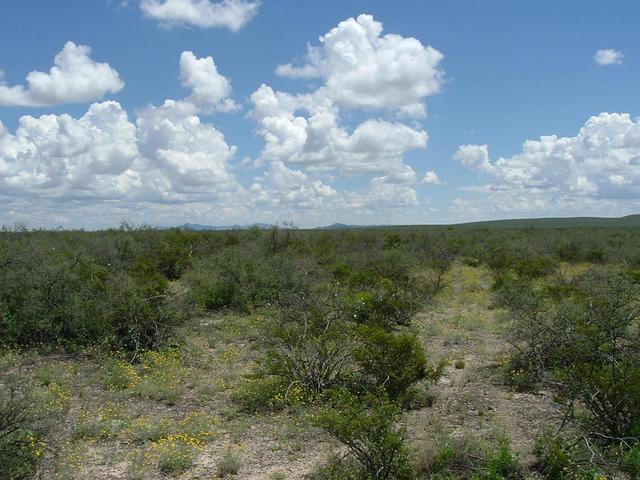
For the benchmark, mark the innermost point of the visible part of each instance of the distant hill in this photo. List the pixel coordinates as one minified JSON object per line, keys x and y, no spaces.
{"x":341,"y":226}
{"x":572,"y":222}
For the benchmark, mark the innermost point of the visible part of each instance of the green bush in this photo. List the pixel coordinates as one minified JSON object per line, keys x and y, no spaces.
{"x":535,"y":267}
{"x":562,"y":458}
{"x":390,"y":361}
{"x":599,"y":362}
{"x":631,"y":460}
{"x":386,"y":305}
{"x":228,"y":465}
{"x":260,"y":395}
{"x":585,"y":345}
{"x":310,"y":347}
{"x":244,"y":279}
{"x":23,"y":425}
{"x":502,"y":465}
{"x":67,"y":299}
{"x":368,"y":427}
{"x":472,"y":459}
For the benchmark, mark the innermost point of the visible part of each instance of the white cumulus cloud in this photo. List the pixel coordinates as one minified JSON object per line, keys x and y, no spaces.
{"x":431,"y":178}
{"x":382,"y":78}
{"x":364,"y":69}
{"x":168,"y":154}
{"x":474,"y":156}
{"x":74,"y":78}
{"x":57,"y":155}
{"x":598,"y":167}
{"x":231,"y":14}
{"x":608,"y":56}
{"x":210,"y":91}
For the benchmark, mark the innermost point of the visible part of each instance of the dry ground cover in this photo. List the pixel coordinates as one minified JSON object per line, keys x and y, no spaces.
{"x":171,"y":414}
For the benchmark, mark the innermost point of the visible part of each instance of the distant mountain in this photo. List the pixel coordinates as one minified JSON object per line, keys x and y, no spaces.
{"x":341,"y":226}
{"x":196,"y":227}
{"x":572,"y":222}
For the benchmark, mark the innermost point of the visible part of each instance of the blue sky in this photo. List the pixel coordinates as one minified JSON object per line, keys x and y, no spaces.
{"x":504,"y":73}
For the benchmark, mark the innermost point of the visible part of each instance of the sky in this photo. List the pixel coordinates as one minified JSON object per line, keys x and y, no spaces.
{"x":231,"y":112}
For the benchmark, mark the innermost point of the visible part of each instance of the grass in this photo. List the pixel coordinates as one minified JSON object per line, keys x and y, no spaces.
{"x":228,"y":464}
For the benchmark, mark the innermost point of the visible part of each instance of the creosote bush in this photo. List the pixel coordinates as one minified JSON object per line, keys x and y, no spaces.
{"x":58,"y":295}
{"x":392,"y":362}
{"x":24,"y":424}
{"x":368,"y":426}
{"x":467,"y":459}
{"x":584,"y":343}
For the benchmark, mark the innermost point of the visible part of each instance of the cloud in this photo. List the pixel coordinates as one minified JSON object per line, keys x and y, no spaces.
{"x":283,"y":187}
{"x":431,"y":178}
{"x":166,"y":164}
{"x":364,"y":69}
{"x":58,"y":155}
{"x":362,"y":72}
{"x":185,"y":157}
{"x":290,"y":190}
{"x":167,"y":155}
{"x":231,"y":14}
{"x":210,"y":91}
{"x":74,"y":78}
{"x":474,"y":156}
{"x":599,"y":166}
{"x":608,"y":56}
{"x":318,"y":141}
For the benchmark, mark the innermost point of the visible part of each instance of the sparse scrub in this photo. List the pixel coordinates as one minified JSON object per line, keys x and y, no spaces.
{"x":228,"y":464}
{"x":465,"y":458}
{"x":24,"y":423}
{"x":279,"y":320}
{"x":162,"y":376}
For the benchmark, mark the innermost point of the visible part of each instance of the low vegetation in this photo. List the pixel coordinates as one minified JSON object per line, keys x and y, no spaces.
{"x":392,"y":353}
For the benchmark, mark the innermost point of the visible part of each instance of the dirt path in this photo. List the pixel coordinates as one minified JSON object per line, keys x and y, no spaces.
{"x":471,"y":402}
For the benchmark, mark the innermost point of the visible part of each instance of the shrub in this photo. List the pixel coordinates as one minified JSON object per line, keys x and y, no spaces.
{"x":534,"y":267}
{"x":368,"y":427}
{"x":465,"y":458}
{"x":244,"y":280}
{"x":23,"y":426}
{"x":532,"y":330}
{"x":311,"y":348}
{"x":337,"y":468}
{"x":631,"y":460}
{"x":599,"y":365}
{"x":55,"y":296}
{"x":174,"y":454}
{"x":119,"y":374}
{"x":260,"y":395}
{"x":560,"y":458}
{"x":585,"y":344}
{"x":228,"y":464}
{"x":416,"y":397}
{"x":502,"y":465}
{"x":391,"y":361}
{"x":439,"y":264}
{"x":386,"y":305}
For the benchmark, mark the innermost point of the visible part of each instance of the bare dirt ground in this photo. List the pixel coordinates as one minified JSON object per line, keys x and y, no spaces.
{"x":471,"y":399}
